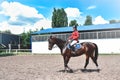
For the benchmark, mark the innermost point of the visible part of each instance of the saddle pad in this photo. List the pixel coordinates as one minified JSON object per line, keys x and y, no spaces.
{"x":77,"y":46}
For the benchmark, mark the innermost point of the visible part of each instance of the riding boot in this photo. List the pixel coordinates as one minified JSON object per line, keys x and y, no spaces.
{"x":72,"y":48}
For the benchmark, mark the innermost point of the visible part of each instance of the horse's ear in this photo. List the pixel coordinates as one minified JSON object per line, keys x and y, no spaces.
{"x":51,"y":36}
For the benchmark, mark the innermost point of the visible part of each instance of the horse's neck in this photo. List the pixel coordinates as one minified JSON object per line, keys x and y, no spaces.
{"x":60,"y":43}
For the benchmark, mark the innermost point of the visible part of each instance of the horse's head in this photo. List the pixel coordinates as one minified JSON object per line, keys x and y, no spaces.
{"x":51,"y":42}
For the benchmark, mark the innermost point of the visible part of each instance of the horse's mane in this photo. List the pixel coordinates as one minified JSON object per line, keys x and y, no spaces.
{"x":60,"y":40}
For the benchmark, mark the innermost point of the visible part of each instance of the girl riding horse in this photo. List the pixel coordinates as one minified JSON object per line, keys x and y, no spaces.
{"x":88,"y":48}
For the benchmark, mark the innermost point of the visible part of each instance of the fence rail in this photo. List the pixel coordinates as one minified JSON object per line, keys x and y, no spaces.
{"x":16,"y":51}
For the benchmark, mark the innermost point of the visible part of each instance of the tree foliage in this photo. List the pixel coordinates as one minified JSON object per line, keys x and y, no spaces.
{"x":6,"y":31}
{"x":88,"y":20}
{"x":25,"y":40}
{"x":59,"y":18}
{"x":114,"y":21}
{"x":73,"y":22}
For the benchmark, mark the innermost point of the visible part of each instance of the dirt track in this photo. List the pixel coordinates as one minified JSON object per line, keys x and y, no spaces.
{"x":50,"y":67}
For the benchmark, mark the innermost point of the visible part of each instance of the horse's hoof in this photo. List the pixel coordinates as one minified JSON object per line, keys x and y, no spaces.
{"x":98,"y":70}
{"x":70,"y":71}
{"x":65,"y":71}
{"x":83,"y":70}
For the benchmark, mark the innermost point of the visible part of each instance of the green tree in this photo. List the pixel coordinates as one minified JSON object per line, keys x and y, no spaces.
{"x":114,"y":21}
{"x":54,"y":18}
{"x":118,"y":21}
{"x":25,"y":40}
{"x":59,"y":18}
{"x":73,"y":22}
{"x":42,"y":28}
{"x":88,"y":20}
{"x":6,"y":31}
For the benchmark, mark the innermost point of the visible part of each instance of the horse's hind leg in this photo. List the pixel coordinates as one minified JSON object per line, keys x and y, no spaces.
{"x":95,"y":61}
{"x":87,"y":61}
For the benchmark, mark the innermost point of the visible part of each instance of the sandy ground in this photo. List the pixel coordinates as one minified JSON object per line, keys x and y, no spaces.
{"x":50,"y":67}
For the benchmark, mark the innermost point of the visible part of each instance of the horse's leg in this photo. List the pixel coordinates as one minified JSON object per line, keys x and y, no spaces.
{"x":66,"y":60}
{"x":87,"y":61}
{"x":65,"y":63}
{"x":95,"y":61}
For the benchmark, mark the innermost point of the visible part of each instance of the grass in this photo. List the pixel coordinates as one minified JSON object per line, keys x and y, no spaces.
{"x":6,"y":54}
{"x":109,"y":54}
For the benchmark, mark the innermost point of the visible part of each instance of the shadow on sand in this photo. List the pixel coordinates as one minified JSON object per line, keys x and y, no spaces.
{"x":90,"y":70}
{"x":82,"y":70}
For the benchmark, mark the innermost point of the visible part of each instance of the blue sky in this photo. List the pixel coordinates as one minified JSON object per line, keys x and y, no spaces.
{"x":22,"y":15}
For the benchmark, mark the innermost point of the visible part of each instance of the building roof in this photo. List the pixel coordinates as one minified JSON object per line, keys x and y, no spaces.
{"x":80,"y":28}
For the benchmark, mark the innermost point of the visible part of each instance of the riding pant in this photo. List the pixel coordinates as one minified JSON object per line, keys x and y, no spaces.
{"x":73,"y":42}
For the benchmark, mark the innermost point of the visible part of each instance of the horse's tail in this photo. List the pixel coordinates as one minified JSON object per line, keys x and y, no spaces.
{"x":96,"y":51}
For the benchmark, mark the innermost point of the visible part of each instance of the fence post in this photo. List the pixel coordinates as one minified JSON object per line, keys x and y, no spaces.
{"x":16,"y":51}
{"x":9,"y":45}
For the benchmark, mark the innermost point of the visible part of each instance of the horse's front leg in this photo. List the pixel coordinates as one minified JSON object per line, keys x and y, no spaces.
{"x":66,"y":60}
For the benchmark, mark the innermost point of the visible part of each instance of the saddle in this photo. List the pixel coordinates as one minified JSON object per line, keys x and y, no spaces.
{"x":74,"y":47}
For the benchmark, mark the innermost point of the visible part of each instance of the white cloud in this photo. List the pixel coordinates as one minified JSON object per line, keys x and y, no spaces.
{"x":73,"y":14}
{"x":14,"y":9}
{"x":91,"y":7}
{"x":41,"y":7}
{"x":14,"y":29}
{"x":21,"y":18}
{"x":100,"y":20}
{"x":43,"y":23}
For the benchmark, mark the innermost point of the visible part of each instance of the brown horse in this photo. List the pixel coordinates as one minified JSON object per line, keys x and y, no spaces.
{"x":88,"y":48}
